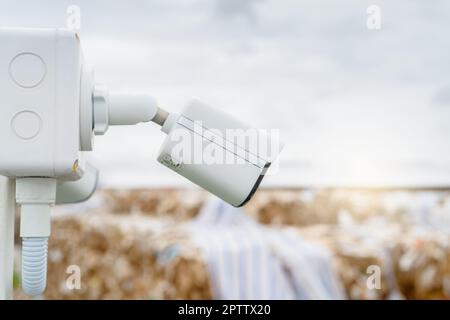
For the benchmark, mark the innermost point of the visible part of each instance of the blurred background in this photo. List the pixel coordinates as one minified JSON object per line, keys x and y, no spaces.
{"x":359,"y":207}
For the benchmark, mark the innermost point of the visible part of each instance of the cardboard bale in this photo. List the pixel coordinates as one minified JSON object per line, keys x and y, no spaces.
{"x":309,"y":207}
{"x":423,"y":266}
{"x":181,"y":204}
{"x":351,"y":260}
{"x":135,"y":247}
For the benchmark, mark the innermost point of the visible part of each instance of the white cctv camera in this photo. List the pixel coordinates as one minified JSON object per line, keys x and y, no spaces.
{"x":51,"y":108}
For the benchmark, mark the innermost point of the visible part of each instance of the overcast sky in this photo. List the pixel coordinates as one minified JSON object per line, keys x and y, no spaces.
{"x":354,"y":105}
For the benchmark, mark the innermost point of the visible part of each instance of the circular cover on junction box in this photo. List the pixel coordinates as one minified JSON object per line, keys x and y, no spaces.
{"x":27,"y":70}
{"x":26,"y":124}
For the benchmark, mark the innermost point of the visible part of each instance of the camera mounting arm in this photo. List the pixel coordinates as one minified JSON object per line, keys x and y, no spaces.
{"x":123,"y":108}
{"x":101,"y":108}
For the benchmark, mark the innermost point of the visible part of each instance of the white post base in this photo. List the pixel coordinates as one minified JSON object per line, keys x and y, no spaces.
{"x":7,"y":213}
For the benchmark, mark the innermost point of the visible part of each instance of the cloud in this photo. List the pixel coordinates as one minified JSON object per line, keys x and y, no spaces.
{"x":237,"y":8}
{"x":442,"y":97}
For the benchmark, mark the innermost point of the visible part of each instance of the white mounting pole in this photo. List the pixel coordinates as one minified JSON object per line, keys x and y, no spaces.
{"x":7,"y":213}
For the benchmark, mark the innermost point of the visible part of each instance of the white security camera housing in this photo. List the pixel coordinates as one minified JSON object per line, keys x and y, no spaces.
{"x":216,"y":151}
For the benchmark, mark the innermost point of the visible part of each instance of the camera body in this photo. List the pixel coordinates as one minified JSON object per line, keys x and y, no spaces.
{"x":217,"y":152}
{"x":40,"y":72}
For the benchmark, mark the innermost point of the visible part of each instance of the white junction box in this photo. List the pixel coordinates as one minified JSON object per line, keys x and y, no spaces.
{"x":40,"y":74}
